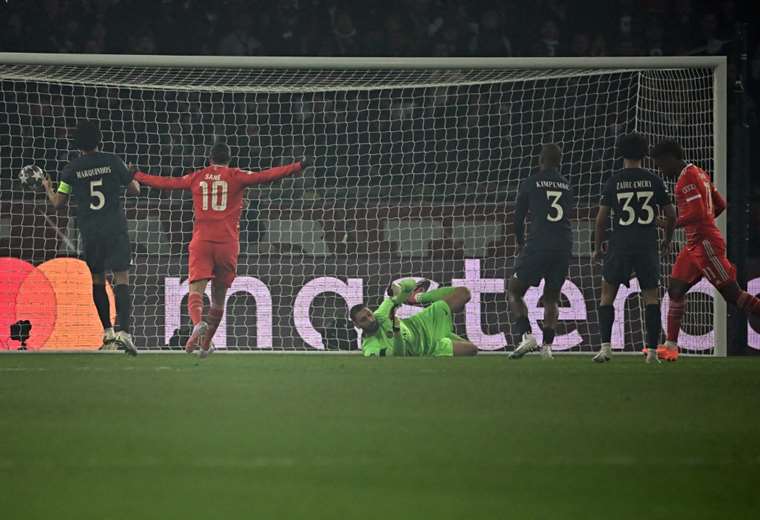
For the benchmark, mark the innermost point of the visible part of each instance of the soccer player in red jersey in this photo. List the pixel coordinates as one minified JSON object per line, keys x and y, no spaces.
{"x":217,"y":203}
{"x":704,"y":254}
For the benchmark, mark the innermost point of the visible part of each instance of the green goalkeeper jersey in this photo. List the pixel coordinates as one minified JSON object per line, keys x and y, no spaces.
{"x":384,"y":342}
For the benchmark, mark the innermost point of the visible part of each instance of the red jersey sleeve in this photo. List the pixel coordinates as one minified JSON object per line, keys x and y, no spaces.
{"x":692,"y":199}
{"x":165,"y":183}
{"x":719,"y":203}
{"x":247,"y":178}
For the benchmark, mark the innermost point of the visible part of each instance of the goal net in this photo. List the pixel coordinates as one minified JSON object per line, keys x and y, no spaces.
{"x":417,"y":165}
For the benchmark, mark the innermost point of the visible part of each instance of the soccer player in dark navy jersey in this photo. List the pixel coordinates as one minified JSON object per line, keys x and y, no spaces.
{"x":633,"y":197}
{"x":545,"y":254}
{"x":96,"y":181}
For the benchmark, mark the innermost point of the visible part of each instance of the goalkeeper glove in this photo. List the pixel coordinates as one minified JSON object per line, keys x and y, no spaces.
{"x":405,"y":291}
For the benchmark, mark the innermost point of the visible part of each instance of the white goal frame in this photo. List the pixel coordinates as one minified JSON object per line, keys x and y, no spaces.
{"x":717,"y":64}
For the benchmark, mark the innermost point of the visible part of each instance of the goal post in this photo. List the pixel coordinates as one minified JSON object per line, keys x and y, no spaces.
{"x":418,"y":161}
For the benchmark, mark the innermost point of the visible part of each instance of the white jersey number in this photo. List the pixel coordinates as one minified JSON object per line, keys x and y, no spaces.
{"x":629,"y":213}
{"x":216,"y":197}
{"x":554,"y":197}
{"x":97,"y":194}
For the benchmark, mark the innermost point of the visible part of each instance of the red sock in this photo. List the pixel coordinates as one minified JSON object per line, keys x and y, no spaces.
{"x":675,"y":313}
{"x":214,"y":317}
{"x":195,"y":307}
{"x":748,"y":303}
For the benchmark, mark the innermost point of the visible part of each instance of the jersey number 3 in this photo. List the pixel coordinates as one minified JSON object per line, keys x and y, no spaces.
{"x":555,"y":212}
{"x":216,"y":196}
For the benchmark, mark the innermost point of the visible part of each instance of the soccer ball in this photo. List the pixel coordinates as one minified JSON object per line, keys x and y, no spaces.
{"x":31,"y":177}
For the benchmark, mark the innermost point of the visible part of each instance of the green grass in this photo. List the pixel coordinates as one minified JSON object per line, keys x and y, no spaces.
{"x":271,"y":437}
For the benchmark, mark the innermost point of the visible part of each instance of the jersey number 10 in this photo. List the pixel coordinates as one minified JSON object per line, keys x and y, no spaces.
{"x":216,"y":197}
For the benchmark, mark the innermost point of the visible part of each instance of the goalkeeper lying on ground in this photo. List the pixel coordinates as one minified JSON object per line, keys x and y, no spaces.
{"x":428,"y":333}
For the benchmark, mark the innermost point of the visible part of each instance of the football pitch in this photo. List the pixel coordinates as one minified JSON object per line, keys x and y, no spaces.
{"x":287,"y":436}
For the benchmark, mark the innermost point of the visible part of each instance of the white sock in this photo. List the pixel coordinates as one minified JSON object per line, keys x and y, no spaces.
{"x":606,"y":348}
{"x":671,"y":344}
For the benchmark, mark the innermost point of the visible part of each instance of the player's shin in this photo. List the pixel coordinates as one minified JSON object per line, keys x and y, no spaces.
{"x":215,"y":315}
{"x":123,"y":306}
{"x":675,"y":314}
{"x":606,"y":319}
{"x":654,"y":325}
{"x":195,"y":307}
{"x":103,"y":306}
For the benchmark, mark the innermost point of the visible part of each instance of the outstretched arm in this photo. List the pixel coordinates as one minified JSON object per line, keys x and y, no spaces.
{"x":272,"y":174}
{"x":165,"y":183}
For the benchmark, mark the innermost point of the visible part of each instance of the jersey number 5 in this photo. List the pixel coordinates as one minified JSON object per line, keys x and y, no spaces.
{"x":216,"y":197}
{"x":554,"y":197}
{"x":644,"y":197}
{"x":97,"y":194}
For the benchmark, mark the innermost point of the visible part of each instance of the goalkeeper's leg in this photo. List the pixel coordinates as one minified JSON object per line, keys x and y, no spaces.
{"x":455,"y":297}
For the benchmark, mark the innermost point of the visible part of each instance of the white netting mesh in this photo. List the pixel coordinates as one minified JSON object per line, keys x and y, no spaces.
{"x":416,"y":172}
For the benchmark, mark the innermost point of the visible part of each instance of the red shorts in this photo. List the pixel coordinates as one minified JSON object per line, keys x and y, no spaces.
{"x":708,"y":259}
{"x":213,"y":260}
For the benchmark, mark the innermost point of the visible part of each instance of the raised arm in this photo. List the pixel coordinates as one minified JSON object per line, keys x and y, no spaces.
{"x":165,"y":183}
{"x":272,"y":174}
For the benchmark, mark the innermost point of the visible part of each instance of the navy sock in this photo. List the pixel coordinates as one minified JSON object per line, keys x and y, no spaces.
{"x":123,"y":306}
{"x":606,"y":319}
{"x":100,"y":297}
{"x":654,"y":324}
{"x":548,"y":336}
{"x":523,"y":326}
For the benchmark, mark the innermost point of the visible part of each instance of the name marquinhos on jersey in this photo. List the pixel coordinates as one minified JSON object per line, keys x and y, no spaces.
{"x":557,"y":185}
{"x":93,"y":172}
{"x":633,"y":185}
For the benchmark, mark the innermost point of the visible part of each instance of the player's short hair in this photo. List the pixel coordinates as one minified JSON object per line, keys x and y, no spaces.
{"x":633,"y":146}
{"x":551,"y":155}
{"x":220,"y":153}
{"x":356,"y":309}
{"x":86,"y":135}
{"x":668,"y":148}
